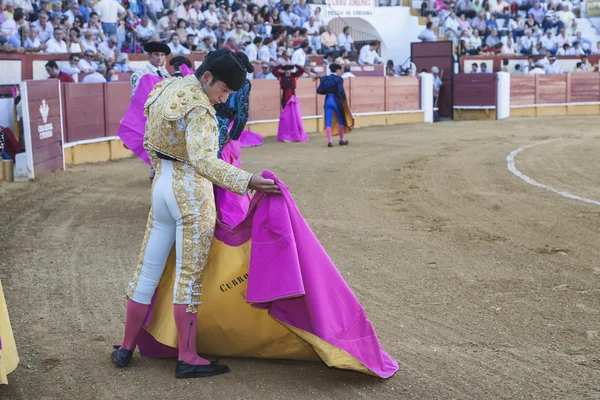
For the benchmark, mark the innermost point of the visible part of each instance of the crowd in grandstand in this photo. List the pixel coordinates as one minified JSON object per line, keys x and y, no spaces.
{"x":539,"y":28}
{"x":100,"y":35}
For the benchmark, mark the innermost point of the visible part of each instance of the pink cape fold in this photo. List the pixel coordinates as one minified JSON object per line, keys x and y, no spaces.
{"x":292,"y":276}
{"x":250,"y":139}
{"x":291,"y":128}
{"x":133,"y":125}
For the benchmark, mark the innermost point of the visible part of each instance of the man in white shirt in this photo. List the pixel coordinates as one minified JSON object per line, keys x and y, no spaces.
{"x":155,"y":8}
{"x":427,"y":34}
{"x":87,"y":43}
{"x":263,"y":52}
{"x":10,"y":27}
{"x":345,"y":40}
{"x":193,"y":30}
{"x":145,"y":30}
{"x":211,"y":16}
{"x":187,"y":12}
{"x":208,"y":31}
{"x":501,"y":10}
{"x":72,"y":68}
{"x":368,"y":55}
{"x":176,"y":47}
{"x":553,"y":67}
{"x":538,"y":69}
{"x":109,"y":47}
{"x":86,"y":63}
{"x":299,"y":56}
{"x":527,"y":42}
{"x":566,"y":19}
{"x":314,"y":31}
{"x":97,"y":76}
{"x":109,"y":12}
{"x":57,"y":44}
{"x":45,"y":27}
{"x":72,"y":12}
{"x":347,"y":74}
{"x":452,"y":27}
{"x":576,"y":50}
{"x":548,"y":41}
{"x":33,"y":43}
{"x":252,"y":50}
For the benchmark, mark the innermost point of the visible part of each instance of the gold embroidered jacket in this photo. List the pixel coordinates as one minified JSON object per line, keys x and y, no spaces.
{"x":182,"y":124}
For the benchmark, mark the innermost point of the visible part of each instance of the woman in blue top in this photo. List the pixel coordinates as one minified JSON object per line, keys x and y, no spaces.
{"x":234,"y":109}
{"x":332,"y":86}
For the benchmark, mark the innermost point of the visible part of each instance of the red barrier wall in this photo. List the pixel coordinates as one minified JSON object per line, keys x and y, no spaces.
{"x":575,"y":87}
{"x":84,"y":111}
{"x":45,"y":126}
{"x":475,"y":90}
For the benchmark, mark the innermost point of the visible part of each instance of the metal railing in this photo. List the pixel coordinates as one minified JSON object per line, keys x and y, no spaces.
{"x":338,"y":24}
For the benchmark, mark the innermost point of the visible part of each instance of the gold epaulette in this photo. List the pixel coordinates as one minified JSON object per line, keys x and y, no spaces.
{"x":178,"y":96}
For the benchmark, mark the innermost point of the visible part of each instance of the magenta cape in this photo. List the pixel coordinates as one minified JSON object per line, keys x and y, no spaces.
{"x":292,"y":276}
{"x":291,"y":128}
{"x":133,"y":125}
{"x":250,"y":139}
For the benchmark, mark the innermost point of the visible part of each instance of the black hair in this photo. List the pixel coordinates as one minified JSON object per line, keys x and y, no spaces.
{"x":51,"y":64}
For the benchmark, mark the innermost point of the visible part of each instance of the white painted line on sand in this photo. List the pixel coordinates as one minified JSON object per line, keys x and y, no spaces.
{"x":512,"y":168}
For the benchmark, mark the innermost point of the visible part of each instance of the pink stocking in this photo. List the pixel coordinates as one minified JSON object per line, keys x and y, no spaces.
{"x":342,"y":129}
{"x":187,"y":323}
{"x":328,"y":131}
{"x":136,"y":314}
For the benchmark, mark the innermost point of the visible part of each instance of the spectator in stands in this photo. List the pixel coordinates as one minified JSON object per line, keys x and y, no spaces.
{"x":501,"y":9}
{"x":181,"y":28}
{"x":303,"y":11}
{"x":586,"y":44}
{"x":562,"y":38}
{"x":288,"y":18}
{"x":451,"y":26}
{"x":368,"y":54}
{"x":474,"y":68}
{"x":145,"y":30}
{"x":553,"y":67}
{"x":527,"y":42}
{"x":55,"y":73}
{"x":33,"y":44}
{"x":479,"y":23}
{"x":186,"y":12}
{"x":176,"y":47}
{"x":206,"y":45}
{"x":518,"y":70}
{"x":345,"y":40}
{"x":585,"y":64}
{"x":537,"y":12}
{"x":314,"y":33}
{"x":264,"y":71}
{"x":578,"y":67}
{"x":538,"y":68}
{"x":95,"y":27}
{"x":576,"y":50}
{"x":320,"y":17}
{"x":342,"y":58}
{"x":73,"y":41}
{"x":242,"y":15}
{"x":299,"y":56}
{"x":566,"y":19}
{"x":509,"y":48}
{"x":87,"y":43}
{"x":271,"y":47}
{"x":427,"y":34}
{"x":549,"y":21}
{"x":109,"y":47}
{"x":8,"y":10}
{"x":166,"y":23}
{"x":57,"y":44}
{"x":475,"y":43}
{"x":87,"y":63}
{"x":492,"y":40}
{"x":211,"y":16}
{"x":154,"y":9}
{"x":7,"y":48}
{"x":532,"y":25}
{"x":208,"y":31}
{"x":72,"y":12}
{"x":97,"y":76}
{"x":517,"y":26}
{"x":189,"y":43}
{"x":548,"y":42}
{"x":72,"y":68}
{"x":348,"y":73}
{"x":465,"y":8}
{"x":231,"y":44}
{"x":10,"y":27}
{"x":491,"y":24}
{"x":110,"y":12}
{"x":463,"y":24}
{"x":240,"y":35}
{"x":45,"y":28}
{"x":484,"y":70}
{"x":122,"y":64}
{"x":328,"y":40}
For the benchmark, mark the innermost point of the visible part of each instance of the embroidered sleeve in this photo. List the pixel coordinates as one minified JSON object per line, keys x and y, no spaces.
{"x":202,"y":147}
{"x":242,"y":98}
